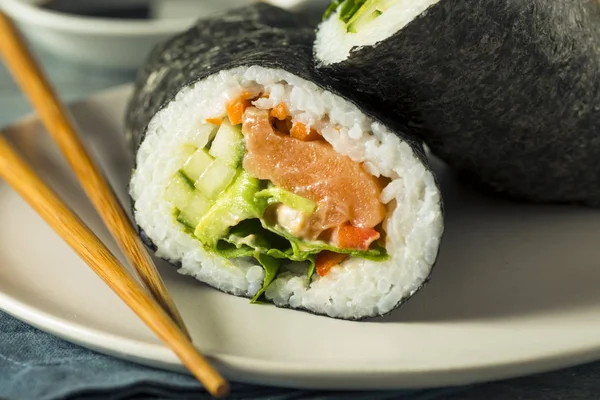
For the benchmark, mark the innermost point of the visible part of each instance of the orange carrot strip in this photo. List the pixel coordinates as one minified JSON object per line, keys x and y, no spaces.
{"x":280,"y":112}
{"x":236,"y":107}
{"x":352,"y":237}
{"x":302,"y":132}
{"x":235,"y":110}
{"x":215,"y":120}
{"x":246,"y":95}
{"x":326,"y":260}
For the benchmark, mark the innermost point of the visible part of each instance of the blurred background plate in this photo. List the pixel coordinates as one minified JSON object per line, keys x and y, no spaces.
{"x":118,"y":33}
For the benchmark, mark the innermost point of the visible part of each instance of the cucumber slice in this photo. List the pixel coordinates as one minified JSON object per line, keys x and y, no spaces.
{"x":197,"y":164}
{"x":184,"y":219}
{"x":279,"y":195}
{"x":203,"y":134}
{"x":383,"y":5}
{"x":180,"y":191}
{"x":187,"y":150}
{"x":353,"y":10}
{"x":350,"y":8}
{"x":363,"y":21}
{"x":236,"y":204}
{"x":215,"y":179}
{"x":194,"y":211}
{"x":228,"y":145}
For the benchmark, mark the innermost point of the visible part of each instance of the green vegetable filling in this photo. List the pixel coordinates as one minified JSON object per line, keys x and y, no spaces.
{"x":224,"y":207}
{"x":358,"y":14}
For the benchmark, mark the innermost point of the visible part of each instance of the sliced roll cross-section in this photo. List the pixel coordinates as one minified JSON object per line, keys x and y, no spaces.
{"x":260,"y":181}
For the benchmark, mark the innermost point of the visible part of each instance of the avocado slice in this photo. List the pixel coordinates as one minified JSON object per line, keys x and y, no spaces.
{"x":275,"y":194}
{"x":236,"y":204}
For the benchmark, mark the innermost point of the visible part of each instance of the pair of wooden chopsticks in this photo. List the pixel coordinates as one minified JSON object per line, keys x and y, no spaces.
{"x":157,"y":310}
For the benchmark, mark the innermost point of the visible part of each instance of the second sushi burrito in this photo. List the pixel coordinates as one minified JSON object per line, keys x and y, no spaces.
{"x":505,"y":91}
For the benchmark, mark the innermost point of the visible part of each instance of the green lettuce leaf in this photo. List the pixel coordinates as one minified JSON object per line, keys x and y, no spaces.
{"x":270,"y":246}
{"x":253,"y":237}
{"x":377,"y":253}
{"x":269,"y":264}
{"x":250,"y":239}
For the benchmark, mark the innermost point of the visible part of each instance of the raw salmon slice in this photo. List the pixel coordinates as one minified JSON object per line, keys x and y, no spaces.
{"x":343,"y":190}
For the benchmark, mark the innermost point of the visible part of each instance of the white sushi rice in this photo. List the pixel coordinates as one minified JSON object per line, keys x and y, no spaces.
{"x":357,"y":287}
{"x":333,"y":43}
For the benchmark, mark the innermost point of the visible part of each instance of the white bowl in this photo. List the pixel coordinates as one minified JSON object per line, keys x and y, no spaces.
{"x":101,"y":41}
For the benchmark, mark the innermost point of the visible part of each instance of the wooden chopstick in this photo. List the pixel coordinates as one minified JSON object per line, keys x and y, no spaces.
{"x":15,"y":171}
{"x":34,"y":84}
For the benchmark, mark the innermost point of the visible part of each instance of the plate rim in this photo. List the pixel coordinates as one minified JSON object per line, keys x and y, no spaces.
{"x":281,"y":374}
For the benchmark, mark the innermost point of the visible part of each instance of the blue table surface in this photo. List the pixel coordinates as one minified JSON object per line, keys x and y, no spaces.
{"x":76,"y":82}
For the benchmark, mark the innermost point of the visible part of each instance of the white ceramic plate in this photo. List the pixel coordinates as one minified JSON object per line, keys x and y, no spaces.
{"x":515,"y":290}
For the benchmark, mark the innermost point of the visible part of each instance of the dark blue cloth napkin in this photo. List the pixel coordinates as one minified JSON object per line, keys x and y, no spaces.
{"x":37,"y":366}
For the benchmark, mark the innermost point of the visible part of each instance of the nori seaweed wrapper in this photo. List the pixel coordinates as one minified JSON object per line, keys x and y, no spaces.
{"x":259,"y":34}
{"x":505,"y":91}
